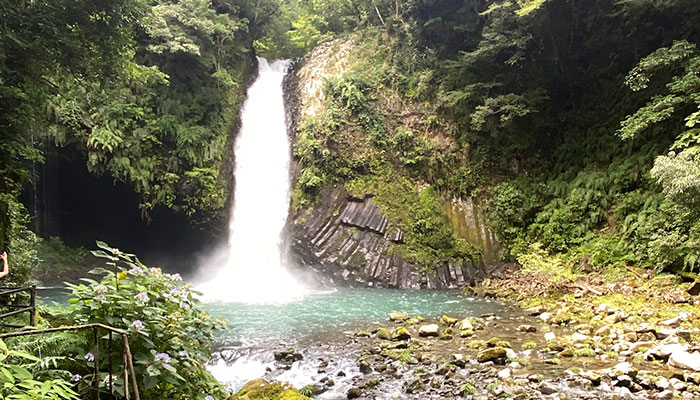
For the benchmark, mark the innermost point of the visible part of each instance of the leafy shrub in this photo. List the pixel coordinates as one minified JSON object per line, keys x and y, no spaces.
{"x":170,"y":337}
{"x":18,"y":383}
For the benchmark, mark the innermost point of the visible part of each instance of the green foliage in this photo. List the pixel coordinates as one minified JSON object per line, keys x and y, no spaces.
{"x":21,"y":246}
{"x":170,"y":337}
{"x":17,"y":382}
{"x":419,"y":214}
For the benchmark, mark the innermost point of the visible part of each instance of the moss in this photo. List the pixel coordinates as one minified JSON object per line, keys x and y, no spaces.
{"x":260,"y":389}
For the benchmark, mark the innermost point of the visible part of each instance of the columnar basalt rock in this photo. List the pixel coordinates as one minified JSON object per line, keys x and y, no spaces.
{"x":348,"y":242}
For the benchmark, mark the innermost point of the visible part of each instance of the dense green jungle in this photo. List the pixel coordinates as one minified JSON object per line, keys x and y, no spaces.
{"x":575,"y":123}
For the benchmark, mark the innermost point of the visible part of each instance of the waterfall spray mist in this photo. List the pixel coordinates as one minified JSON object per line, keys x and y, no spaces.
{"x":254,"y":270}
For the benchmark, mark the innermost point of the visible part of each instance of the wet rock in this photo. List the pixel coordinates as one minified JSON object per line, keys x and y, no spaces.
{"x":362,"y":334}
{"x":545,"y":388}
{"x":381,"y":367}
{"x":364,"y":366}
{"x":398,"y":316}
{"x":491,"y":354}
{"x":535,"y":378}
{"x":354,"y":393}
{"x":414,"y":385}
{"x":384,"y":334}
{"x":288,"y":356}
{"x":526,"y":328}
{"x":428,"y":330}
{"x":400,"y":333}
{"x":444,"y":369}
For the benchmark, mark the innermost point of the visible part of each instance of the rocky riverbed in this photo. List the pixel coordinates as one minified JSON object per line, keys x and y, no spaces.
{"x":524,"y":354}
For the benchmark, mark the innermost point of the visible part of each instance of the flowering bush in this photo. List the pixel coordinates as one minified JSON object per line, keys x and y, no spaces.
{"x":170,"y":337}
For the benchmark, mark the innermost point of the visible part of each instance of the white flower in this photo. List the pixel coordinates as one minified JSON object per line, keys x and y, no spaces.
{"x":142,"y":298}
{"x":138,"y":325}
{"x":100,"y":288}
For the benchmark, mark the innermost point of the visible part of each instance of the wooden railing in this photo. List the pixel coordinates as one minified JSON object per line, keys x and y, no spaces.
{"x":5,"y":293}
{"x":128,"y":362}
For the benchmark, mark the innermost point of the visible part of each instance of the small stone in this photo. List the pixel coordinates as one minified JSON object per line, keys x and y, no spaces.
{"x":414,"y":385}
{"x":535,"y":378}
{"x":384,"y":334}
{"x":527,"y":328}
{"x":491,"y":354}
{"x":546,"y":389}
{"x":677,"y":384}
{"x":665,"y":395}
{"x":624,"y":380}
{"x":504,"y":374}
{"x":362,"y":334}
{"x":398,"y":316}
{"x":625,"y":394}
{"x":662,"y":333}
{"x":623,"y":368}
{"x":466,"y":324}
{"x":354,"y":393}
{"x":578,"y":338}
{"x":400,"y":333}
{"x":591,"y":376}
{"x":428,"y":330}
{"x":449,"y":321}
{"x":444,"y":369}
{"x":545,"y":316}
{"x":692,"y":378}
{"x":549,"y":336}
{"x":365,"y":368}
{"x":537,"y":310}
{"x":662,"y":383}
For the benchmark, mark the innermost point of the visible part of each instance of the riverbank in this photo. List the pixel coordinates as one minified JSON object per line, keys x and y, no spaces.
{"x":625,"y":333}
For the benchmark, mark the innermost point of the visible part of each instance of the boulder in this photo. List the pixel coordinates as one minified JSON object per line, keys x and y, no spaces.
{"x":663,"y":351}
{"x":491,"y":354}
{"x":694,"y":289}
{"x":684,"y":360}
{"x":428,"y":330}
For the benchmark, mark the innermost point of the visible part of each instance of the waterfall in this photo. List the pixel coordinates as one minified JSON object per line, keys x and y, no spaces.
{"x":254,"y":270}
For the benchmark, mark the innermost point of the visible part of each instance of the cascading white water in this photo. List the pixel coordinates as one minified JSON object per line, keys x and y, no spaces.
{"x":254,"y":270}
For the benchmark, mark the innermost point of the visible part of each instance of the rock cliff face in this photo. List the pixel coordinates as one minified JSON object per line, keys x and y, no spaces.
{"x":348,"y":242}
{"x":344,"y":240}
